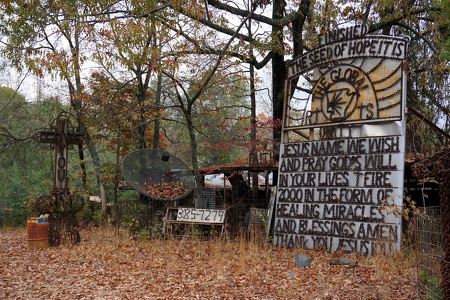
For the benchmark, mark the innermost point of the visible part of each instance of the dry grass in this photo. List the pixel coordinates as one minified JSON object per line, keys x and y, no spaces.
{"x":107,"y":266}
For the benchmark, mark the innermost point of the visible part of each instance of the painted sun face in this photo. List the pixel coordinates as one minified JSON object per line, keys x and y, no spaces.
{"x":343,"y":93}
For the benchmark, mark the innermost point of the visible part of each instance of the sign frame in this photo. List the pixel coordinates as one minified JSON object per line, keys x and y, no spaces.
{"x":345,"y":102}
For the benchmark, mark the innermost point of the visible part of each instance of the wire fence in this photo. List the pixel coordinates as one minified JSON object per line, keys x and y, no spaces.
{"x":427,"y":230}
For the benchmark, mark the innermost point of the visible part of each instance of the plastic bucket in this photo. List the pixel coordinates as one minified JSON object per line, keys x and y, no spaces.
{"x":37,"y":233}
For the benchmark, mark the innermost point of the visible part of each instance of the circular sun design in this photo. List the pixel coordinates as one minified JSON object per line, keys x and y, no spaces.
{"x":356,"y":90}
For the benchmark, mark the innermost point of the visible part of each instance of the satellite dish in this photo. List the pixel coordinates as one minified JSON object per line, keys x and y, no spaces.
{"x":158,"y":175}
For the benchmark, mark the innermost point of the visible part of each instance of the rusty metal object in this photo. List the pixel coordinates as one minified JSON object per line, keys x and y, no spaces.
{"x":61,"y":205}
{"x":62,"y":211}
{"x":66,"y":204}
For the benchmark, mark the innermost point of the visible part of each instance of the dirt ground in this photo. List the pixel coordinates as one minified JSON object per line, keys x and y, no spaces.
{"x":108,"y":266}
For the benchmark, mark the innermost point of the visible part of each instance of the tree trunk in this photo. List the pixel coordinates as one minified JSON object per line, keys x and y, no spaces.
{"x":278,"y":77}
{"x":253,"y":153}
{"x":194,"y":159}
{"x":117,"y":175}
{"x":157,"y":124}
{"x":142,"y":122}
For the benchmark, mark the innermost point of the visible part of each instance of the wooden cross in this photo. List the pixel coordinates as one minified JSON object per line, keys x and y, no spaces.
{"x":61,"y":138}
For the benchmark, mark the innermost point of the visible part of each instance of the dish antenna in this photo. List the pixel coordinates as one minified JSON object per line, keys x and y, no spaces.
{"x":158,"y":175}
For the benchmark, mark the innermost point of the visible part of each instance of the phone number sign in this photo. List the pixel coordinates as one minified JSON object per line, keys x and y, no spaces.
{"x":197,"y":215}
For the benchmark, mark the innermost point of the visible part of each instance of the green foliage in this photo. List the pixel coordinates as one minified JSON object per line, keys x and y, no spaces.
{"x":22,"y":179}
{"x":14,"y":213}
{"x":27,"y":166}
{"x":221,"y":119}
{"x":13,"y":111}
{"x":131,"y":223}
{"x":88,"y":216}
{"x":445,"y":28}
{"x":432,"y":284}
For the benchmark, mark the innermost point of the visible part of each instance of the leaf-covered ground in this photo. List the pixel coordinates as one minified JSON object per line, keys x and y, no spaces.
{"x":107,"y":266}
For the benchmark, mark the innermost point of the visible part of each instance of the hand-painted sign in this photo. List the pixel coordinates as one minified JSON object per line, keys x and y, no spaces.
{"x":340,"y":184}
{"x":198,"y":215}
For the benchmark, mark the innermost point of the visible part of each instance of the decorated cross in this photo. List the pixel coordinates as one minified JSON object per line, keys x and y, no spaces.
{"x":61,"y":138}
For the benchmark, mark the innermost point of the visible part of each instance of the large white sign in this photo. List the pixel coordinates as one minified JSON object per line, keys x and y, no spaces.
{"x":343,"y":192}
{"x":340,"y":194}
